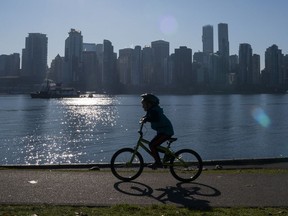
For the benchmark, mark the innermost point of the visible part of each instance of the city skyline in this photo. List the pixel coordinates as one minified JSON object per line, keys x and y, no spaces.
{"x":129,"y":23}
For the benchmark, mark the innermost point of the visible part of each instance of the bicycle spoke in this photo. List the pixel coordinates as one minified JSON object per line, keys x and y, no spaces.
{"x":122,"y":166}
{"x":187,"y":165}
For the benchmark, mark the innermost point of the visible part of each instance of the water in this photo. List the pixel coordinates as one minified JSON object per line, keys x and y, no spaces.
{"x":90,"y":130}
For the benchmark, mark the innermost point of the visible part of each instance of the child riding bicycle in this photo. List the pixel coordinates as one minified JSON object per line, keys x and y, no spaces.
{"x":159,"y":122}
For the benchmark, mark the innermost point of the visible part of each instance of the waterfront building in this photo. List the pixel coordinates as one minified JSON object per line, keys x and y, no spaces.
{"x":57,"y":69}
{"x":89,"y":81}
{"x":34,"y":58}
{"x":207,"y":39}
{"x":182,"y":74}
{"x":89,"y":47}
{"x":99,"y":55}
{"x":200,"y":69}
{"x":136,"y":70}
{"x":109,"y":74}
{"x":223,"y":52}
{"x":233,"y":69}
{"x":285,"y":62}
{"x":274,"y":74}
{"x":256,"y":76}
{"x":73,"y":59}
{"x":215,"y":82}
{"x":147,"y":65}
{"x":10,"y":65}
{"x":125,"y":66}
{"x":160,"y":52}
{"x":171,"y":66}
{"x":245,"y":73}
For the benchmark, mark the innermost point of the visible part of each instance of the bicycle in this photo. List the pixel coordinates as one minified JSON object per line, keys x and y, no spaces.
{"x":127,"y":164}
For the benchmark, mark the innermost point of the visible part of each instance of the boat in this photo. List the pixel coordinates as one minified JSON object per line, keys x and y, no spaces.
{"x":49,"y":89}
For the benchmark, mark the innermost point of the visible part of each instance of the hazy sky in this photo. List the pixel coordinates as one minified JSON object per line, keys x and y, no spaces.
{"x":127,"y":23}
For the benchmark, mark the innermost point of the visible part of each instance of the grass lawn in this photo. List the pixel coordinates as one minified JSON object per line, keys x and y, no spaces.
{"x":159,"y":210}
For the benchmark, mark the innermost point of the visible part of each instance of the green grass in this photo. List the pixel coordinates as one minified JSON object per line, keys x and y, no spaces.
{"x":119,"y":210}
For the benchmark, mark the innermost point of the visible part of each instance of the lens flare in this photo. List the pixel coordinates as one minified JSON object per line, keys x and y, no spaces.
{"x":261,"y":117}
{"x":168,"y":25}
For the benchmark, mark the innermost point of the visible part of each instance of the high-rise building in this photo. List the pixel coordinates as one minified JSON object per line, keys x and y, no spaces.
{"x":89,"y":47}
{"x":34,"y":58}
{"x":125,"y":66}
{"x":109,"y":76}
{"x":10,"y":65}
{"x":223,"y":41}
{"x":160,"y":52}
{"x":182,"y":75}
{"x":207,"y":39}
{"x":57,"y":69}
{"x":285,"y":62}
{"x":136,"y":72}
{"x":73,"y":58}
{"x":233,"y":69}
{"x":89,"y":79}
{"x":147,"y":65}
{"x":99,"y":54}
{"x":256,"y":78}
{"x":245,"y":74}
{"x":223,"y":52}
{"x":200,"y":67}
{"x":273,"y":73}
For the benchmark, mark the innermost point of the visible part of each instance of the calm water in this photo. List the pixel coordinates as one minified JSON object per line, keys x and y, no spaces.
{"x":90,"y":130}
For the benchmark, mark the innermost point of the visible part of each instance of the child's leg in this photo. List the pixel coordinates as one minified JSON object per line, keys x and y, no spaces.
{"x":155,"y":142}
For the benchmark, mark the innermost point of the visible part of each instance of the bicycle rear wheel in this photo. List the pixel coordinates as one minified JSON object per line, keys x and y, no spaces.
{"x":124,"y":167}
{"x":186,"y":166}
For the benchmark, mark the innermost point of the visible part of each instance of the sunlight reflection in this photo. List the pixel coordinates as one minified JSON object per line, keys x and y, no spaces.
{"x":261,"y":117}
{"x":91,"y":111}
{"x":79,"y":124}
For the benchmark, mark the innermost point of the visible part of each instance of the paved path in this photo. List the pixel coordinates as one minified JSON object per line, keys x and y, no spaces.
{"x":101,"y":188}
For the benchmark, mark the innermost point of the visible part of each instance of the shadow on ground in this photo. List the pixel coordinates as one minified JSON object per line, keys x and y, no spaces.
{"x":182,"y":194}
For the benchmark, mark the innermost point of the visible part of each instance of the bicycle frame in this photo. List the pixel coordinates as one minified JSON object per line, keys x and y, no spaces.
{"x":143,"y":142}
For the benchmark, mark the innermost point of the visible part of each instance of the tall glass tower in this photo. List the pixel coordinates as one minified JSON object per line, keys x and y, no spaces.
{"x":34,"y":58}
{"x":223,"y":51}
{"x":73,"y":58}
{"x":160,"y":52}
{"x":223,"y":41}
{"x":207,"y":39}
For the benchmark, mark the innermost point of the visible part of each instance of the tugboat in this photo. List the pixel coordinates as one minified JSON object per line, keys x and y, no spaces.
{"x":50,"y":89}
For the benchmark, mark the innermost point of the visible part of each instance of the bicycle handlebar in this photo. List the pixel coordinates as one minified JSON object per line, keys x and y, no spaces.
{"x":141,"y":127}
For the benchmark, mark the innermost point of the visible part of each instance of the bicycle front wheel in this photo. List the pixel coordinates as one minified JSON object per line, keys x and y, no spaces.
{"x":186,"y":166}
{"x":126,"y":164}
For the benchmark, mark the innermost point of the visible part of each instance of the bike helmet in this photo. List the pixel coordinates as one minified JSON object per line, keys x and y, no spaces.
{"x":150,"y":98}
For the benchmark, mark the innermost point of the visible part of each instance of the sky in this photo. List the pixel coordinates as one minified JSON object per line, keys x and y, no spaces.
{"x":127,"y":23}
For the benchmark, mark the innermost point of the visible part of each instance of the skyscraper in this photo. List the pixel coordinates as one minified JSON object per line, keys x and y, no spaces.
{"x":57,"y":69}
{"x":256,"y":69}
{"x":109,"y":67}
{"x":10,"y":65}
{"x":223,"y":41}
{"x":274,"y":74}
{"x":207,"y":39}
{"x":34,"y":58}
{"x":147,"y":65}
{"x":223,"y":51}
{"x":125,"y":66}
{"x":160,"y":52}
{"x":245,"y":75}
{"x":73,"y":58}
{"x":182,"y":75}
{"x":136,"y":72}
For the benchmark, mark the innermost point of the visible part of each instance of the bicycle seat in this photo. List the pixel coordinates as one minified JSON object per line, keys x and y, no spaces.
{"x":172,"y":139}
